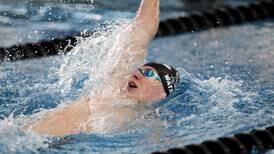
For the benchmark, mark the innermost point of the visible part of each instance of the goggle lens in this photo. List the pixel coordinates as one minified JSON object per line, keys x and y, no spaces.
{"x":149,"y":73}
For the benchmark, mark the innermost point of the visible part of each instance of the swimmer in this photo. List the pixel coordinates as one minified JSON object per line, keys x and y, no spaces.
{"x":149,"y":83}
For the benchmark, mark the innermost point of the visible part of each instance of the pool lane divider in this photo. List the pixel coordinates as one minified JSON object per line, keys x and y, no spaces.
{"x":199,"y":21}
{"x":259,"y":141}
{"x":220,"y":17}
{"x":37,"y":50}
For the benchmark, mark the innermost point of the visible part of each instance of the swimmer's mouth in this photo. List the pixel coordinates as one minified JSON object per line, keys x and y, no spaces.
{"x":132,"y":84}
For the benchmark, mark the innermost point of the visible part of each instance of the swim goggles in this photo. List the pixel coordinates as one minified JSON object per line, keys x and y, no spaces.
{"x":149,"y":73}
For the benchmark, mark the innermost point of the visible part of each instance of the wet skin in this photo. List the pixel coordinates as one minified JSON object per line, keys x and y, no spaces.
{"x":144,"y":89}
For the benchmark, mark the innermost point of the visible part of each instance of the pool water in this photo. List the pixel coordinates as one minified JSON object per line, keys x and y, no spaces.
{"x":227,"y":83}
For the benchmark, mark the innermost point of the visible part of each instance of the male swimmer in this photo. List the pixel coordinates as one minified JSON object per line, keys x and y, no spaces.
{"x":149,"y":83}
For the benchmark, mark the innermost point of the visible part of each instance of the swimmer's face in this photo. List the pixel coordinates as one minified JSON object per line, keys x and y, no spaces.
{"x":145,"y":89}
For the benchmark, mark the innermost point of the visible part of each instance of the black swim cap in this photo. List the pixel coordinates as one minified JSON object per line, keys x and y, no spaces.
{"x":169,"y":76}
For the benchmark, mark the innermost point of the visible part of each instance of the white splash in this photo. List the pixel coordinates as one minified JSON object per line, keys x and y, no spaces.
{"x":15,"y":139}
{"x":95,"y":58}
{"x":225,"y":92}
{"x":91,"y":57}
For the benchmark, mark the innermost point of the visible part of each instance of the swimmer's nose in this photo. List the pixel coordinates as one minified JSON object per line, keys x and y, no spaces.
{"x":137,"y":75}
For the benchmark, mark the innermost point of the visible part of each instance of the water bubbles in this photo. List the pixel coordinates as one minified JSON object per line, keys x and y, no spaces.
{"x":20,"y":39}
{"x":215,"y":43}
{"x":251,"y":60}
{"x":185,"y":60}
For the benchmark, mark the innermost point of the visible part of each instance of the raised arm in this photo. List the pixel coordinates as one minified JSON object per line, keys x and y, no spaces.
{"x":147,"y":20}
{"x":132,"y":42}
{"x":135,"y":38}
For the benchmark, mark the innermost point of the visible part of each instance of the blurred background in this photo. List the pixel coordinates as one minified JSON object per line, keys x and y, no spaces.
{"x":32,"y":20}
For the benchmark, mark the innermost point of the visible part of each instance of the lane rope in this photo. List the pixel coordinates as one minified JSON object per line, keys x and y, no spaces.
{"x":220,"y":17}
{"x":259,"y":140}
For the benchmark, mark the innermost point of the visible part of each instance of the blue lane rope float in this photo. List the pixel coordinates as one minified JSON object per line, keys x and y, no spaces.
{"x":220,"y":17}
{"x":244,"y":143}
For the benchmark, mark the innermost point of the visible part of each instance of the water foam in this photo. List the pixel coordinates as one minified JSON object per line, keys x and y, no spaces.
{"x":95,"y":58}
{"x":14,"y":140}
{"x":224,"y":90}
{"x":91,"y":58}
